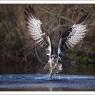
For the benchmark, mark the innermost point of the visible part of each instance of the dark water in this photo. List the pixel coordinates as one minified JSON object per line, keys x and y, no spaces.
{"x":42,"y":82}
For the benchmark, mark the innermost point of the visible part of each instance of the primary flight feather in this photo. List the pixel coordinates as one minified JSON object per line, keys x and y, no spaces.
{"x":76,"y":35}
{"x":35,"y":30}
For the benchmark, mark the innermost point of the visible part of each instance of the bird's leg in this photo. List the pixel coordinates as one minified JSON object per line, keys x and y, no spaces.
{"x":51,"y":75}
{"x":53,"y":67}
{"x":50,"y":70}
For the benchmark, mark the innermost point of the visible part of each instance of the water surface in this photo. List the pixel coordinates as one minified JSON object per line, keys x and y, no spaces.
{"x":42,"y":82}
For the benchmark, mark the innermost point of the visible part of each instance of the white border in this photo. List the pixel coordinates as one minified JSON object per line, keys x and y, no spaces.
{"x":47,"y":93}
{"x":47,"y":2}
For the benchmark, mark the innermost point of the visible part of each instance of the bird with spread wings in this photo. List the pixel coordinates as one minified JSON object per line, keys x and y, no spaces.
{"x":68,"y":39}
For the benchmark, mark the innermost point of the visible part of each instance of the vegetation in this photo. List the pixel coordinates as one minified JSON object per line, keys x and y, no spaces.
{"x":17,"y":53}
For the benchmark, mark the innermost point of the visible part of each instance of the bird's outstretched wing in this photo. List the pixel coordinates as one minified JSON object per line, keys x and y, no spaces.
{"x":72,"y":36}
{"x":77,"y":33}
{"x":35,"y":29}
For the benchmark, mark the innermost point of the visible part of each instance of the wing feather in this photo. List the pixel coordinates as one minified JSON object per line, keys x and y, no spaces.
{"x":34,"y":28}
{"x":49,"y":47}
{"x":72,"y":36}
{"x":76,"y":35}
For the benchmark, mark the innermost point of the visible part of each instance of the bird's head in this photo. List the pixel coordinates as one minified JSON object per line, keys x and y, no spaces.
{"x":54,"y":59}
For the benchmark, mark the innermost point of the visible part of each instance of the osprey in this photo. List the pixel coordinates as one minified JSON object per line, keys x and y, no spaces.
{"x":68,"y":39}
